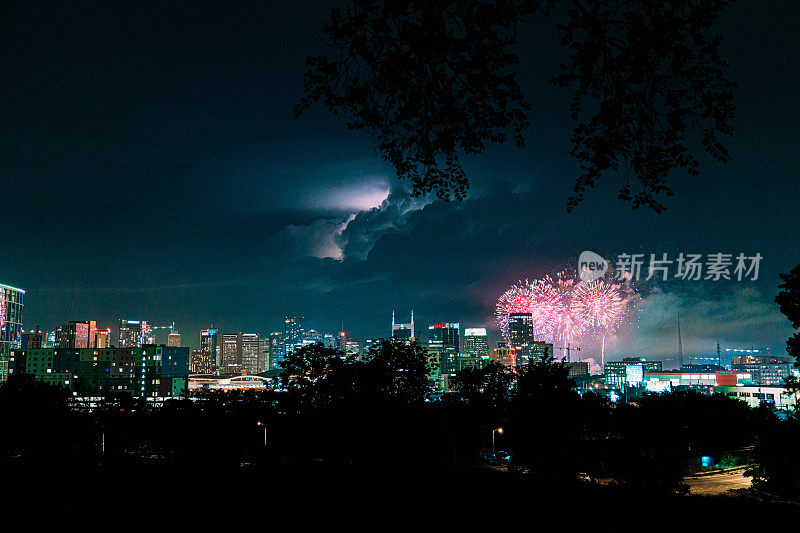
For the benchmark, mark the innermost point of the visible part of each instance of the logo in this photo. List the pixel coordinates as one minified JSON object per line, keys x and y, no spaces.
{"x":591,"y":266}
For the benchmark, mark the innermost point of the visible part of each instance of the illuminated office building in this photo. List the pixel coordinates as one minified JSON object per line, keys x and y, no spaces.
{"x":242,"y":353}
{"x":629,"y":372}
{"x":11,"y":304}
{"x":475,"y":352}
{"x":76,"y":334}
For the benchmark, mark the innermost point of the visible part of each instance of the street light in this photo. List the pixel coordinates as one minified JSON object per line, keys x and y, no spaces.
{"x":259,"y":423}
{"x":498,"y":430}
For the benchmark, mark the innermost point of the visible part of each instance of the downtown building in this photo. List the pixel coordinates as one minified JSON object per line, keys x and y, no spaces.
{"x":149,"y":372}
{"x":766,"y":370}
{"x":524,"y":348}
{"x":292,"y":335}
{"x":444,"y":343}
{"x":206,"y":360}
{"x":242,"y":353}
{"x":629,"y":372}
{"x":11,"y":304}
{"x":134,"y":333}
{"x":475,"y":351}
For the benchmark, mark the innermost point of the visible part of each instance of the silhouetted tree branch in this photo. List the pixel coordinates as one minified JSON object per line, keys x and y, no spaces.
{"x":435,"y":79}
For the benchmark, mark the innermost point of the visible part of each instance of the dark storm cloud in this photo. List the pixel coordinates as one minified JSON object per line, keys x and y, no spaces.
{"x":393,"y":215}
{"x":153,"y":169}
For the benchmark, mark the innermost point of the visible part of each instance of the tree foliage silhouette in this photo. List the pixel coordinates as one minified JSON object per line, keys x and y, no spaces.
{"x":434,"y":79}
{"x":789,"y":301}
{"x":392,"y":372}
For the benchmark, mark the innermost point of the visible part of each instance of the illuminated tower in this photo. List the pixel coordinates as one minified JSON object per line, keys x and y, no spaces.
{"x":403,"y":331}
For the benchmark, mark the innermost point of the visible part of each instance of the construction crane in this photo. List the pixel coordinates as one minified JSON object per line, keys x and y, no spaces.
{"x":568,"y":347}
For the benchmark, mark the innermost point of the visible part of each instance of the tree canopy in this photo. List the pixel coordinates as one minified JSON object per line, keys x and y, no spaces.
{"x":789,"y":301}
{"x":433,"y":79}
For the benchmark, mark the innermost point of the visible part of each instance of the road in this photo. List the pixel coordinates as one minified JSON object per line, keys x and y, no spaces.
{"x":719,"y":483}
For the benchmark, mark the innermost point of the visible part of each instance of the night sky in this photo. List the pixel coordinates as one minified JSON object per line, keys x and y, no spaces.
{"x":152,"y":168}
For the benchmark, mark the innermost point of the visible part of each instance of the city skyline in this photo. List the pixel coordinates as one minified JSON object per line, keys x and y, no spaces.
{"x":211,"y":204}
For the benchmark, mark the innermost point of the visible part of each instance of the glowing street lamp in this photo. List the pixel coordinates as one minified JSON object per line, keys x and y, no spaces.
{"x":260,"y":423}
{"x":495,"y":431}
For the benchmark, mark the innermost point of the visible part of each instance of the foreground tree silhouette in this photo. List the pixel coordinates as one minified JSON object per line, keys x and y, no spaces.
{"x":393,"y":372}
{"x":789,"y":301}
{"x":433,"y":79}
{"x":485,"y":388}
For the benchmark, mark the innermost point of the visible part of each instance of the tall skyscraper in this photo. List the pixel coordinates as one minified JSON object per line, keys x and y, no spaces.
{"x":445,"y":334}
{"x":209,"y":342}
{"x":231,"y":354}
{"x":475,"y":352}
{"x":520,"y":329}
{"x":445,"y":340}
{"x":242,"y":353}
{"x":11,"y":303}
{"x":275,"y":350}
{"x":252,"y":350}
{"x":292,"y":334}
{"x":403,"y":331}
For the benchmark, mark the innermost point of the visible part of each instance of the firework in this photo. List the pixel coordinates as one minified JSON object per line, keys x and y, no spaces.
{"x":564,"y":309}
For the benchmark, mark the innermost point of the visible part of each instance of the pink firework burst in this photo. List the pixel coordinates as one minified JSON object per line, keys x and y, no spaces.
{"x":563,"y":309}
